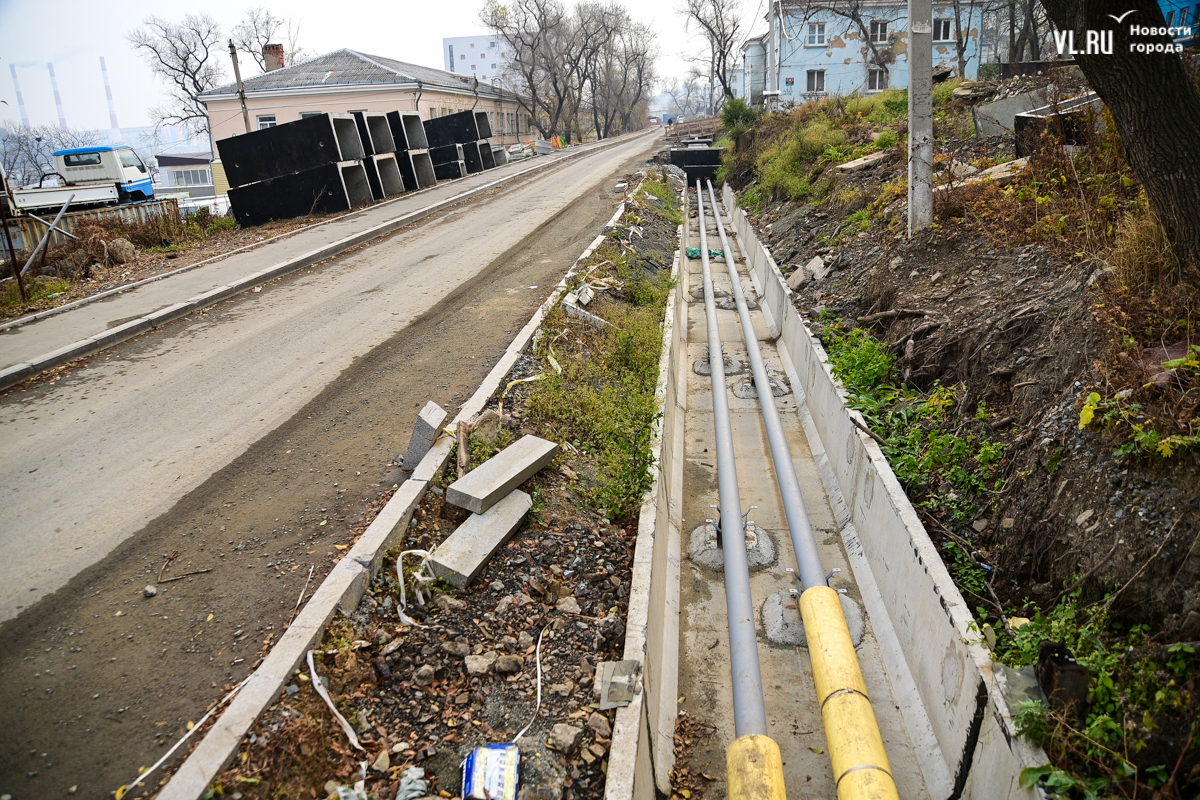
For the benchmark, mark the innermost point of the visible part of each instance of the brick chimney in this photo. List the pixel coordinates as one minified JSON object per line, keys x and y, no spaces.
{"x":273,"y":56}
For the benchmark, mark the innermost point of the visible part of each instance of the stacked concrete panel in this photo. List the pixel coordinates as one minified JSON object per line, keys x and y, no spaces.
{"x":412,"y":149}
{"x":468,"y":129}
{"x":324,"y":190}
{"x":472,"y":157}
{"x":312,"y":165}
{"x":449,"y":161}
{"x":383,"y":175}
{"x":289,"y":148}
{"x":457,"y":128}
{"x":450,"y":170}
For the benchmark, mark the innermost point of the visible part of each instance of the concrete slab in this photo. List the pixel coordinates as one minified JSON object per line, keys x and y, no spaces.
{"x":487,"y":484}
{"x":460,"y":558}
{"x":429,"y":424}
{"x":869,"y":160}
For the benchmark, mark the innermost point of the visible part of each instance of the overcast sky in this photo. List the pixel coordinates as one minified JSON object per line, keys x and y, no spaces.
{"x":74,"y":34}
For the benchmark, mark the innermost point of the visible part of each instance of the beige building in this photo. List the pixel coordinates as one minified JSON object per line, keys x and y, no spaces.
{"x":347,"y":80}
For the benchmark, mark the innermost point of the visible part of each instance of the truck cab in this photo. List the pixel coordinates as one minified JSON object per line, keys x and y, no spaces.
{"x":103,"y":164}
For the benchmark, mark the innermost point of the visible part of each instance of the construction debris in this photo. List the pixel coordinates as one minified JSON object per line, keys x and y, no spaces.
{"x":460,"y":558}
{"x":490,"y":482}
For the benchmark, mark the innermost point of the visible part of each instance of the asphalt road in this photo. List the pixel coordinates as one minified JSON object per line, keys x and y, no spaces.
{"x":250,"y":437}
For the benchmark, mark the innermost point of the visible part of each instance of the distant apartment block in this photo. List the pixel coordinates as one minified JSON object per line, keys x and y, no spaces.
{"x":484,"y":57}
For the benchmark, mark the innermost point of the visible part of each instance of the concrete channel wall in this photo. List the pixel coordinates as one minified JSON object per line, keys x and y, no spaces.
{"x":957,"y":717}
{"x":343,"y":588}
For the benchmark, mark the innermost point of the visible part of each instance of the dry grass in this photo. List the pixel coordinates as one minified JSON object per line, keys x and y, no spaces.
{"x":1142,"y":258}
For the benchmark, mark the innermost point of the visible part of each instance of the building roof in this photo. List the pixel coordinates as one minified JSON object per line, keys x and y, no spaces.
{"x":181,"y":159}
{"x":351,"y":68}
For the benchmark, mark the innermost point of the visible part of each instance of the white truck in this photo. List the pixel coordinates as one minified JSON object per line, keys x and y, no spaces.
{"x":98,"y":176}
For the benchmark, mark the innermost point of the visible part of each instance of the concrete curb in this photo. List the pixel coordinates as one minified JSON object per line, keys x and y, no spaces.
{"x":642,"y":751}
{"x":960,"y":724}
{"x":344,"y":586}
{"x":19,"y":372}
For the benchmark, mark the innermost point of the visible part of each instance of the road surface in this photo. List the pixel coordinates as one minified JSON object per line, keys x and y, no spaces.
{"x":250,"y":437}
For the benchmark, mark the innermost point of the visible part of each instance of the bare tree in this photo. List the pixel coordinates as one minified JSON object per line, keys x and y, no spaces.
{"x":568,"y":65}
{"x":721,"y":23}
{"x":687,"y":95}
{"x":186,"y":55}
{"x":619,"y":68}
{"x":28,"y":153}
{"x":962,"y":34}
{"x":260,"y":28}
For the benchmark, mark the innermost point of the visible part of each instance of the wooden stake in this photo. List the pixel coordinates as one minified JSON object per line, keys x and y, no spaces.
{"x":464,"y":450}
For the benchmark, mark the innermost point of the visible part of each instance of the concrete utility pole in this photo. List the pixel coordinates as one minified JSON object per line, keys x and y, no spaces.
{"x":920,"y":115}
{"x":237,"y":74}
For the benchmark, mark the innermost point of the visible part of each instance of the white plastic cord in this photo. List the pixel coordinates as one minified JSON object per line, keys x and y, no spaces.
{"x":320,"y":687}
{"x":424,"y":554}
{"x":537,"y":707}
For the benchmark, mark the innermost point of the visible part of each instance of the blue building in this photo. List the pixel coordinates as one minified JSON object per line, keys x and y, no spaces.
{"x":836,"y":47}
{"x":1183,"y":14}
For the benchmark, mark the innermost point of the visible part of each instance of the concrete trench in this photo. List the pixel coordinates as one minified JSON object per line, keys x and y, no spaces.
{"x":940,"y":703}
{"x":704,"y":681}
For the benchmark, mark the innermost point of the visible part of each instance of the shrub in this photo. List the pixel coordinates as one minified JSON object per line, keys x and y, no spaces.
{"x":737,"y":114}
{"x":942,"y":92}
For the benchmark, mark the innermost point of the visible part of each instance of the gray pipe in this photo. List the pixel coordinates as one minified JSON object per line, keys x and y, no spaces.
{"x":749,"y":712}
{"x":808,"y":560}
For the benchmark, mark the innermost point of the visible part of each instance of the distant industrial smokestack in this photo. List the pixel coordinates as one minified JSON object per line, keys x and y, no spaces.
{"x":112,"y":109}
{"x":272,"y":57}
{"x":62,"y":118}
{"x":20,"y":97}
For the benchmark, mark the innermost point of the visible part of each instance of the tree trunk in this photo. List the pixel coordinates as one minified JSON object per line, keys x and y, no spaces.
{"x":1012,"y":31}
{"x":1035,"y":36}
{"x":1156,"y":109}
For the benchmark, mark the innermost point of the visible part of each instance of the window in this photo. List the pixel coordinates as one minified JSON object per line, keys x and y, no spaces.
{"x":877,"y":79}
{"x":82,"y":160}
{"x":473,"y":67}
{"x":941,"y":30}
{"x":491,"y":44}
{"x":493,"y":66}
{"x":816,"y":33}
{"x":1196,"y":14}
{"x":130,"y":159}
{"x":816,"y":80}
{"x":1182,"y":17}
{"x":1170,"y":18}
{"x":472,"y":45}
{"x":307,"y":114}
{"x":462,"y":57}
{"x":879,"y":31}
{"x":189,"y":177}
{"x":266,"y":121}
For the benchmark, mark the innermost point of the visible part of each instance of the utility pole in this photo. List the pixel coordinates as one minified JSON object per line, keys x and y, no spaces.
{"x":920,"y":115}
{"x":237,"y":74}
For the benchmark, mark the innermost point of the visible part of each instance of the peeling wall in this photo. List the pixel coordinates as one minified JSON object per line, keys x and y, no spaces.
{"x":846,"y":57}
